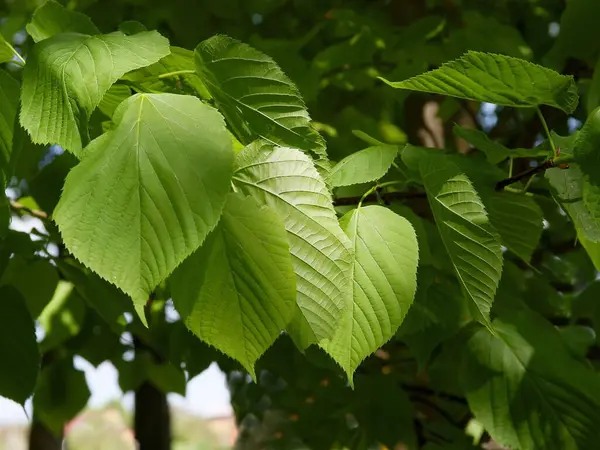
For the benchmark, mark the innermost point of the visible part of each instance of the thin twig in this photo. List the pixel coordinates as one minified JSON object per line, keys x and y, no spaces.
{"x":18,"y":207}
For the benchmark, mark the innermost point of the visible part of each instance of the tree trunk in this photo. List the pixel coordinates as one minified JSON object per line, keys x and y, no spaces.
{"x":41,"y":438}
{"x":152,"y":418}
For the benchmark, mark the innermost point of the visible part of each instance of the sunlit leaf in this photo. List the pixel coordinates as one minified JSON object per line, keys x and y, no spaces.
{"x":52,"y":18}
{"x":384,"y":282}
{"x":498,"y":79}
{"x":286,"y":180}
{"x":241,"y":279}
{"x":173,"y":173}
{"x":366,"y":165}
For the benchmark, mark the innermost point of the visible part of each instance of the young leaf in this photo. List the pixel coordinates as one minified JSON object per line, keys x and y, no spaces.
{"x":256,"y":97}
{"x":366,"y":165}
{"x":9,"y":102}
{"x":286,"y":180}
{"x":148,"y":192}
{"x":498,"y":79}
{"x":242,"y":280}
{"x":18,"y":347}
{"x":494,"y":151}
{"x":527,"y":389}
{"x":384,"y":280}
{"x":67,"y":75}
{"x":463,"y":223}
{"x":52,"y":18}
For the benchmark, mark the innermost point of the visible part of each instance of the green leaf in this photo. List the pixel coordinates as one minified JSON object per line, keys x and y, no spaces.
{"x":18,"y":347}
{"x":463,"y":223}
{"x":36,"y":281}
{"x":527,"y":389}
{"x":61,"y":393}
{"x":256,"y":97}
{"x":52,"y":18}
{"x":498,"y":79}
{"x":172,"y":173}
{"x":366,"y":165}
{"x":286,"y":180}
{"x":159,"y":77}
{"x":62,"y":318}
{"x":117,"y":94}
{"x":517,"y":219}
{"x":384,"y":281}
{"x":494,"y":151}
{"x":242,"y":280}
{"x":67,"y":75}
{"x":7,"y":52}
{"x":9,"y":102}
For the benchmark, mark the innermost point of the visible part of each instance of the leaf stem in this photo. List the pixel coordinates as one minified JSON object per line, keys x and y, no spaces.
{"x":546,"y":130}
{"x":376,"y":188}
{"x":175,"y":73}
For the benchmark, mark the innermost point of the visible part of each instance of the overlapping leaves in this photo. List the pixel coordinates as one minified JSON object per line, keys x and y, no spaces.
{"x":67,"y":75}
{"x":287,"y":181}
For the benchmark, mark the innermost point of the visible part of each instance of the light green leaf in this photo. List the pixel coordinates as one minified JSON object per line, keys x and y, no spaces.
{"x":9,"y":102}
{"x":52,"y":18}
{"x":242,"y":280}
{"x":7,"y":52}
{"x":469,"y":238}
{"x":527,"y":388}
{"x":369,"y":164}
{"x":286,"y":180}
{"x":67,"y":75}
{"x":113,"y":98}
{"x":255,"y":96}
{"x":171,"y":158}
{"x":18,"y":347}
{"x":384,"y":281}
{"x":498,"y":79}
{"x":495,"y":151}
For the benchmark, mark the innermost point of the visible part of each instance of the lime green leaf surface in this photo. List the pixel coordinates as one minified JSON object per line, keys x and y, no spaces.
{"x":463,"y":223}
{"x":52,"y":18}
{"x":494,"y":151}
{"x":67,"y":75}
{"x":148,"y":192}
{"x":255,"y":96}
{"x":527,"y":388}
{"x":287,"y":181}
{"x":113,"y":98}
{"x":498,"y":79}
{"x":240,"y":280}
{"x":7,"y":52}
{"x":366,"y":165}
{"x":9,"y":102}
{"x":18,"y":347}
{"x":384,"y":281}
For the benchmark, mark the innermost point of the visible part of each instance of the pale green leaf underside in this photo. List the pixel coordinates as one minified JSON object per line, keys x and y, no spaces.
{"x":469,"y":238}
{"x":498,"y":79}
{"x":67,"y":75}
{"x":241,"y":280}
{"x":528,"y":390}
{"x":366,"y":165}
{"x":286,"y":180}
{"x":9,"y":102}
{"x":148,"y":192}
{"x":52,"y":18}
{"x":386,"y":256}
{"x":256,"y":97}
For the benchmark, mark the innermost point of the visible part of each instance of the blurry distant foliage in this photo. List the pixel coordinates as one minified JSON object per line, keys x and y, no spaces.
{"x":428,"y":237}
